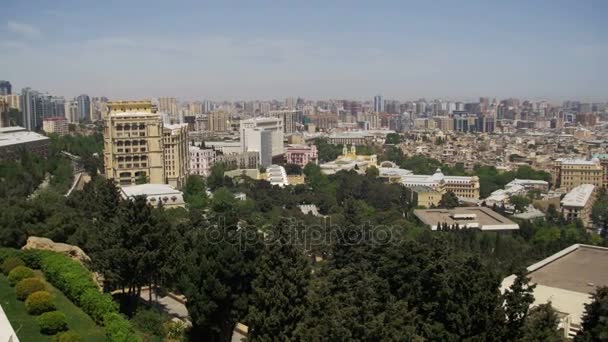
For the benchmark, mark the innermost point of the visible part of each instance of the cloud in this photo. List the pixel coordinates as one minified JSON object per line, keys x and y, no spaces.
{"x":24,"y":30}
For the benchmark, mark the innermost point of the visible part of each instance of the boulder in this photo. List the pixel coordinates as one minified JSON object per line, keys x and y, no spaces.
{"x":74,"y":252}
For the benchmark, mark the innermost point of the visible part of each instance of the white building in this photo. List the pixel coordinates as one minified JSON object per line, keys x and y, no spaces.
{"x":577,"y":203}
{"x":463,"y":187}
{"x":262,"y":135}
{"x":155,"y":193}
{"x":201,"y":160}
{"x":276,"y":175}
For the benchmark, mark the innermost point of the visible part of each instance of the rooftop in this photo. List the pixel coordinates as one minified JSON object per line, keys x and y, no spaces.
{"x":466,"y":217}
{"x":148,"y":190}
{"x":16,"y":137}
{"x":578,"y":196}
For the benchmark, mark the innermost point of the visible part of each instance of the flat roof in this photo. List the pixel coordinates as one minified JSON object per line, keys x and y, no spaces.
{"x":149,"y":190}
{"x":575,"y":270}
{"x":485,"y":218}
{"x":578,"y":196}
{"x":20,"y":137}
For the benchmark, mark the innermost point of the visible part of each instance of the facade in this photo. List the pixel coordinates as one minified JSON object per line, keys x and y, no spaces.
{"x":176,"y":155}
{"x":570,"y":173}
{"x":13,"y":101}
{"x":463,"y":187}
{"x":29,"y":106}
{"x":577,"y":203}
{"x":137,"y":144}
{"x":378,"y":104}
{"x":84,"y":107}
{"x":604,"y":163}
{"x":14,"y":140}
{"x":71,"y":111}
{"x":350,"y":138}
{"x":301,"y":155}
{"x":253,"y":140}
{"x":201,"y":161}
{"x":218,"y":121}
{"x":55,"y":125}
{"x":292,"y":119}
{"x":246,"y":160}
{"x":424,"y":196}
{"x":168,"y":105}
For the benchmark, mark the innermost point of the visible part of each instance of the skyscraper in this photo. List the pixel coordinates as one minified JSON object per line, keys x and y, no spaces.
{"x":378,"y":104}
{"x":5,"y":88}
{"x":29,"y":103}
{"x":84,"y":107}
{"x":168,"y":105}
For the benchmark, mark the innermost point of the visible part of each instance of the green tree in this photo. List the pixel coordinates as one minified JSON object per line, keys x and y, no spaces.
{"x":518,"y":298}
{"x":372,"y":172}
{"x":595,"y":320}
{"x":393,"y":138}
{"x":448,"y":200}
{"x":195,"y":192}
{"x":278,"y":301}
{"x":541,"y":325}
{"x":520,"y":203}
{"x":293,"y":169}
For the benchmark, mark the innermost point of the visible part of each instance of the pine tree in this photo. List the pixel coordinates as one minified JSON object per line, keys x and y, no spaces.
{"x":279,"y":290}
{"x":595,"y":319}
{"x":541,"y":325}
{"x":518,"y":298}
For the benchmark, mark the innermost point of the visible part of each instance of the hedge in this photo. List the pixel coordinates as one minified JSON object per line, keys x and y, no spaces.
{"x":76,"y":282}
{"x":39,"y":302}
{"x":67,"y":336}
{"x":10,"y":263}
{"x":19,"y":273}
{"x":52,"y":322}
{"x":27,"y":286}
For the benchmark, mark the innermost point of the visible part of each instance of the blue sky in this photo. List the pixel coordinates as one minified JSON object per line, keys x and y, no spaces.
{"x":316,"y":49}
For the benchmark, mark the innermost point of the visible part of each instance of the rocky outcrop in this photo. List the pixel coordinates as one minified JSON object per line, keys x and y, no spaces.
{"x":74,"y":252}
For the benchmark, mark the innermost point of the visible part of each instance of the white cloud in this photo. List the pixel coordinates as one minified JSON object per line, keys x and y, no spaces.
{"x":24,"y":30}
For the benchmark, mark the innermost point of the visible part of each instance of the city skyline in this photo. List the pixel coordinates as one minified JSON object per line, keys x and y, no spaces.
{"x":539,"y":51}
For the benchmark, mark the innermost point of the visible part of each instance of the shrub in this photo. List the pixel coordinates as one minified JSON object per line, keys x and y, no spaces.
{"x":118,"y":329}
{"x":6,"y":253}
{"x":149,"y":321}
{"x":19,"y":273}
{"x":28,"y":286}
{"x":52,"y":322}
{"x":39,"y":302}
{"x":67,"y":336}
{"x":31,"y":257}
{"x":97,"y":304}
{"x":174,"y":330}
{"x":10,"y":263}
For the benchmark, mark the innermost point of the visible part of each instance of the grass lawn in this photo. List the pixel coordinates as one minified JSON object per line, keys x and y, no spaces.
{"x":25,"y":325}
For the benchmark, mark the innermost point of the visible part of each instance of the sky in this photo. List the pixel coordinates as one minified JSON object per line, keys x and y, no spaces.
{"x":258,"y":49}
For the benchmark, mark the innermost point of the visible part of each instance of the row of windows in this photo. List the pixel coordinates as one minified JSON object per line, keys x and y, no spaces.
{"x":126,"y":174}
{"x":131,"y":158}
{"x":130,"y":142}
{"x":131,"y":150}
{"x":126,"y":126}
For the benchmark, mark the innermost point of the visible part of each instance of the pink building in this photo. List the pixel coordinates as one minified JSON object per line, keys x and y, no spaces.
{"x":56,"y":125}
{"x":201,"y":161}
{"x":301,"y":154}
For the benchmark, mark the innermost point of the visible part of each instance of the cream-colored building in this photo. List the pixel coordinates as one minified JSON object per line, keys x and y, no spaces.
{"x":168,"y":105}
{"x":570,"y":173}
{"x":463,"y":187}
{"x":55,"y":125}
{"x":218,"y":121}
{"x":349,"y":161}
{"x":137,"y":145}
{"x":577,"y":203}
{"x":13,"y":101}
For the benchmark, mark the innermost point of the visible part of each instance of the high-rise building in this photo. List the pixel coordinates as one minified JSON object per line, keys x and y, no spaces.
{"x":292,"y":119}
{"x":219,"y":121}
{"x":12,"y":101}
{"x":168,"y":105}
{"x":71,"y":111}
{"x":290,"y":103}
{"x":29,"y":103}
{"x":378,"y":104}
{"x":137,"y":146}
{"x":207,"y":106}
{"x":252,"y":139}
{"x":6,"y":88}
{"x":84,"y":107}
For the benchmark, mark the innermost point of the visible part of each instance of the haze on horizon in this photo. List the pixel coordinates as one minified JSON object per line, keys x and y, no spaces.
{"x":222,"y":50}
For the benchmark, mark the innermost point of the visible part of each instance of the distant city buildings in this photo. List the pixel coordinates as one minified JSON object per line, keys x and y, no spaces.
{"x":201,"y":160}
{"x":264,"y":135}
{"x":55,"y":125}
{"x":301,"y":155}
{"x":84,"y":108}
{"x":168,"y":105}
{"x":5,"y":88}
{"x":292,"y":119}
{"x":378,"y":104}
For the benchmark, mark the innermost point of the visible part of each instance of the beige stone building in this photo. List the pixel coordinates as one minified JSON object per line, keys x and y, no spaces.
{"x":577,"y":203}
{"x":138,"y":145}
{"x":570,"y":173}
{"x":218,"y":121}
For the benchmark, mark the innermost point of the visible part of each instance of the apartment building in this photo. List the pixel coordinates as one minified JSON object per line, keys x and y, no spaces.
{"x":577,"y":203}
{"x":138,"y":147}
{"x":55,"y":125}
{"x":570,"y":173}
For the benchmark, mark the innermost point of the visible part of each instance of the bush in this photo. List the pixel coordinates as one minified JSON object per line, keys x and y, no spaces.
{"x":19,"y":273}
{"x":174,"y":330}
{"x":149,"y":321}
{"x":52,"y":322}
{"x":118,"y":329}
{"x":27,"y":286}
{"x":97,"y":304}
{"x":31,"y":257}
{"x":10,"y":263}
{"x":39,"y":302}
{"x":67,"y":336}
